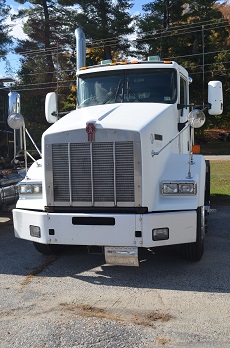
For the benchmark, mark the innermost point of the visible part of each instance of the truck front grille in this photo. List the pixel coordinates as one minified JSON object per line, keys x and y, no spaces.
{"x":97,"y":173}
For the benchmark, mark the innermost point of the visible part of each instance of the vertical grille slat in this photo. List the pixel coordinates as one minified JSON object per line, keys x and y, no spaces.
{"x":60,"y":172}
{"x":124,"y":171}
{"x":103,"y":174}
{"x":81,"y":172}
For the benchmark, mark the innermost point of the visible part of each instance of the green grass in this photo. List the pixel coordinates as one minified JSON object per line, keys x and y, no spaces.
{"x":220,"y":182}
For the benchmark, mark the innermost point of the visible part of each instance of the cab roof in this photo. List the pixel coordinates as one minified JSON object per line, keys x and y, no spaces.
{"x":114,"y":66}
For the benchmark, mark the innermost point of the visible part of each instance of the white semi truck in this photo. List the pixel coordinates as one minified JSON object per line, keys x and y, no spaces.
{"x":119,"y":172}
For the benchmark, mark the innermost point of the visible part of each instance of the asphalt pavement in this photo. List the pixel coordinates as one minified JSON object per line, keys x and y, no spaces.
{"x":74,"y":300}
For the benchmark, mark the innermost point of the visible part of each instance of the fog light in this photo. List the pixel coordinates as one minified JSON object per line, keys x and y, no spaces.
{"x":35,"y":231}
{"x":160,"y":233}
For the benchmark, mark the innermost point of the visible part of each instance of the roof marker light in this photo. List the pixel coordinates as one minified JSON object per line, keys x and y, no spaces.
{"x":106,"y":61}
{"x":154,"y":59}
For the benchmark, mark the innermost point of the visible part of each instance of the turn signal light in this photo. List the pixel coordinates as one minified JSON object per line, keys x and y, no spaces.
{"x":196,"y":149}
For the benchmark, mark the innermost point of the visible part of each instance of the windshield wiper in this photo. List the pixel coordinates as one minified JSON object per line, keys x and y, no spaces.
{"x":88,"y":102}
{"x":113,"y":94}
{"x":130,"y":92}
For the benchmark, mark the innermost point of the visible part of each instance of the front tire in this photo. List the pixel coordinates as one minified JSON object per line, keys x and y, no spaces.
{"x":194,"y":251}
{"x":47,"y":249}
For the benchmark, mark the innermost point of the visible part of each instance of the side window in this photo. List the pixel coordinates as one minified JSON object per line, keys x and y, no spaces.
{"x":183,"y":91}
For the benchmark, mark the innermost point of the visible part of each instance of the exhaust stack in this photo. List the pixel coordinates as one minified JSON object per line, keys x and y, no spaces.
{"x":80,"y":48}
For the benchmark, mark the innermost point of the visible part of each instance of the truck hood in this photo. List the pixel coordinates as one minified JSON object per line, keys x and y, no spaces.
{"x":135,"y":117}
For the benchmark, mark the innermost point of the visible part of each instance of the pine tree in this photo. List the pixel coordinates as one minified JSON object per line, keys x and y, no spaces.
{"x":206,"y":42}
{"x":5,"y":39}
{"x":106,"y":23}
{"x":48,"y":28}
{"x":194,"y":34}
{"x":47,"y":55}
{"x":155,"y":27}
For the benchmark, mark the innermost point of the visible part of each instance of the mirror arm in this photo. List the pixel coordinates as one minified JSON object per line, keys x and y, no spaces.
{"x":203,"y":107}
{"x":59,"y":114}
{"x":156,"y":153}
{"x":182,"y":106}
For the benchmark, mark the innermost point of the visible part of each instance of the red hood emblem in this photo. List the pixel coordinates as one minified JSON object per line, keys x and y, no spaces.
{"x":90,"y":130}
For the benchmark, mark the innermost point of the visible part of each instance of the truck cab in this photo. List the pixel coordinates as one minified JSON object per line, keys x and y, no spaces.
{"x":118,"y":172}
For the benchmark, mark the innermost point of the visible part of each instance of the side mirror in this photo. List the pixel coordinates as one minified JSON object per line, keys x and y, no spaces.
{"x":196,"y":118}
{"x":215,"y":97}
{"x":51,"y":108}
{"x":15,"y":121}
{"x":14,"y":103}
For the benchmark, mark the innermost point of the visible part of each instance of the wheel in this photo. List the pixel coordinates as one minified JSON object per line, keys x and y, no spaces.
{"x":47,"y":249}
{"x":194,"y":251}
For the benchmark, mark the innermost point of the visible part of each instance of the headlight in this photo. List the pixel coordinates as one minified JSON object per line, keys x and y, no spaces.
{"x":187,"y":188}
{"x":177,"y":188}
{"x":30,"y":188}
{"x":169,"y":188}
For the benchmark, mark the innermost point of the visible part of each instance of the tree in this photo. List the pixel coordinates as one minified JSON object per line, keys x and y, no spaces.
{"x":221,"y":68}
{"x":48,"y":53}
{"x":207,"y":41}
{"x":154,"y":33}
{"x":46,"y":57}
{"x":5,"y":39}
{"x":194,"y":33}
{"x":49,"y":27}
{"x":106,"y":23}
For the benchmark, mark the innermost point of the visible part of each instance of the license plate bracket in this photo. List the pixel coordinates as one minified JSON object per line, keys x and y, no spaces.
{"x":121,"y":256}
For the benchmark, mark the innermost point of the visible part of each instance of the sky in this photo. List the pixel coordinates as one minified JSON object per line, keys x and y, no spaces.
{"x":18,"y":33}
{"x":137,"y":4}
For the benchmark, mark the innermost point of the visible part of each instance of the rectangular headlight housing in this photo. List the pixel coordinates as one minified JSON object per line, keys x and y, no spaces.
{"x":178,"y":188}
{"x":30,"y":188}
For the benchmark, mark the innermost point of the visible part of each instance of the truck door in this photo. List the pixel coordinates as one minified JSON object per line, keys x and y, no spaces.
{"x":183,"y":114}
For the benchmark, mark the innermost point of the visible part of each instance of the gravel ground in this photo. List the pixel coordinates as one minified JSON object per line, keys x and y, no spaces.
{"x":75,"y":300}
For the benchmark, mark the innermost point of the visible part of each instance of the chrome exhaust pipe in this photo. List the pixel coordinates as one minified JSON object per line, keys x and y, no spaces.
{"x":80,"y":48}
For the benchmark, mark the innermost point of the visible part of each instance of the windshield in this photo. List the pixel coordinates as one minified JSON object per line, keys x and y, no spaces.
{"x":127,"y":86}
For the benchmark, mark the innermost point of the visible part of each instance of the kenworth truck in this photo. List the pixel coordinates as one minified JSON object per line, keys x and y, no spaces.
{"x":11,"y":164}
{"x":119,"y":172}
